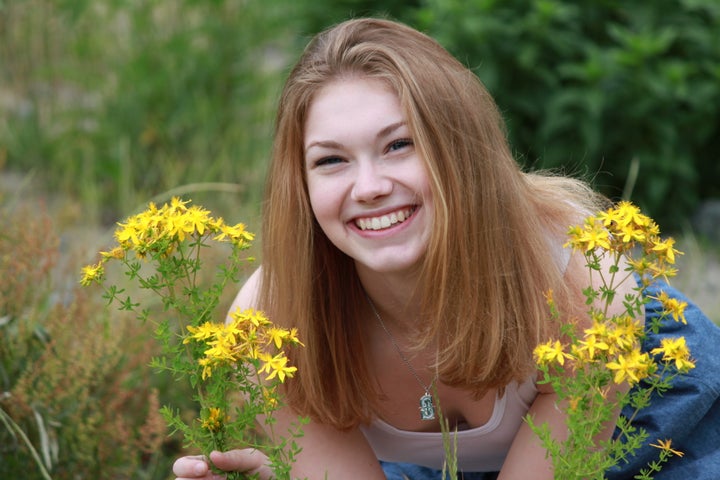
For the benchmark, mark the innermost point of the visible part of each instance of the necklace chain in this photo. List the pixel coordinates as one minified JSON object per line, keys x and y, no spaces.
{"x":427,"y":408}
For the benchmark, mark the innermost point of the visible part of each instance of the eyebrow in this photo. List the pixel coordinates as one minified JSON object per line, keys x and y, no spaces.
{"x":335,"y":145}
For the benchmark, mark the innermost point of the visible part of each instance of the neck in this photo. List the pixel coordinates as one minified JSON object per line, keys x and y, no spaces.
{"x":395,"y":296}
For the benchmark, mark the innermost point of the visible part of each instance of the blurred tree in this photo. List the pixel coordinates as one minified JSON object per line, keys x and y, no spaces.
{"x":601,"y":87}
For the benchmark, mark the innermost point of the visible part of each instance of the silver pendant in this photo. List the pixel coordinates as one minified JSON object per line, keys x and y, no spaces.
{"x":427,"y":409}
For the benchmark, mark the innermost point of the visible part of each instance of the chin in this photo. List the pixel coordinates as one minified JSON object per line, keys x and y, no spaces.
{"x":392,"y":265}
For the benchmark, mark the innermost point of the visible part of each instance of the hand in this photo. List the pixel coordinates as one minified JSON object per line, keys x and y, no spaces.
{"x":247,"y":460}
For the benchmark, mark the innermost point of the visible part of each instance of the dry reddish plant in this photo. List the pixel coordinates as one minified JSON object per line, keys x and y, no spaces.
{"x":68,"y":369}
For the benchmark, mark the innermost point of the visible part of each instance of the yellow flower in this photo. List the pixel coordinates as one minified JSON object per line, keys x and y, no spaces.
{"x":202,"y":332}
{"x":624,"y":335}
{"x":591,"y":344}
{"x":176,"y":205}
{"x":222,"y":349}
{"x":173,"y":226}
{"x":594,"y":236}
{"x":207,"y":367}
{"x":599,"y":328}
{"x":277,"y":336}
{"x":180,"y":223}
{"x":243,"y":339}
{"x":633,"y":366}
{"x":293,"y":337}
{"x":198,"y":219}
{"x":270,"y":397}
{"x":666,"y":445}
{"x":665,"y":250}
{"x":630,"y":233}
{"x":551,"y":352}
{"x":608,"y":217}
{"x":574,"y":233}
{"x":626,"y":213}
{"x":255,"y":317}
{"x":665,"y":272}
{"x":236,"y":233}
{"x":673,"y":306}
{"x":213,"y":420}
{"x":276,"y":366}
{"x":282,"y":336}
{"x":92,"y":273}
{"x":641,"y":266}
{"x":117,"y":253}
{"x":675,"y":350}
{"x":138,"y":233}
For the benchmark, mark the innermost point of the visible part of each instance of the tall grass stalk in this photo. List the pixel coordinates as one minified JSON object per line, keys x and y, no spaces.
{"x":450,"y":465}
{"x":15,"y":430}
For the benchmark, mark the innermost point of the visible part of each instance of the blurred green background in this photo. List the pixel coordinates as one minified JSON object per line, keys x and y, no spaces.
{"x":107,"y":104}
{"x":113,"y":102}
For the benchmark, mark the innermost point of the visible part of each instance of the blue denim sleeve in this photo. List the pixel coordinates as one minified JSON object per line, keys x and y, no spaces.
{"x":407,"y":471}
{"x":689,"y":413}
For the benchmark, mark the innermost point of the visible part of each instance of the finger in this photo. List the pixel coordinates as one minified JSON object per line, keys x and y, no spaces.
{"x":209,"y":476}
{"x":246,"y":460}
{"x":191,"y":467}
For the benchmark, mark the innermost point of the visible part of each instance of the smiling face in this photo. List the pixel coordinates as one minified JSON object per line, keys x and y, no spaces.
{"x":368,"y":187}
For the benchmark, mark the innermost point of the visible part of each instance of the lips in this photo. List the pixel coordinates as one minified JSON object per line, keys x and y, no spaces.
{"x":385,"y":221}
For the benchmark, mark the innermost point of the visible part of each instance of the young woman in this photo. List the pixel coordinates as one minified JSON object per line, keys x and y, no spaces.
{"x":404,"y":242}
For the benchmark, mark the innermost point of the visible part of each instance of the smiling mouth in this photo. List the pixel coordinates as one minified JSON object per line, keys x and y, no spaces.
{"x":385,"y":221}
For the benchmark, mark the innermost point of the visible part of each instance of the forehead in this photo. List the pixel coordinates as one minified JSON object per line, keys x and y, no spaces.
{"x":351,"y":103}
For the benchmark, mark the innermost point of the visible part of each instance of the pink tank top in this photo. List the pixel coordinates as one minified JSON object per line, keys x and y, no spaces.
{"x":481,"y":449}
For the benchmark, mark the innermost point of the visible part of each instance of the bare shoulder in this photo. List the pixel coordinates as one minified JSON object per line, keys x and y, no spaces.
{"x":249,"y":293}
{"x":327,"y":452}
{"x":612,"y":273}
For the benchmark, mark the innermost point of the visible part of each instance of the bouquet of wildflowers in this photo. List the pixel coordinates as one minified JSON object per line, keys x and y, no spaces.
{"x":582,"y":367}
{"x":234,"y":367}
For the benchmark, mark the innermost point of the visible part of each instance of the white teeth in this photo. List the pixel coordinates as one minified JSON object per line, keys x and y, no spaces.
{"x":384,"y":221}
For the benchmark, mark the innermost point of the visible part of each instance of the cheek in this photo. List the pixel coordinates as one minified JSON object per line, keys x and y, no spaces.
{"x":422,"y":182}
{"x":323,"y":203}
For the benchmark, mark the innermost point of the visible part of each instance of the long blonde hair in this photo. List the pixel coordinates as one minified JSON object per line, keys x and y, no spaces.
{"x":492,"y":254}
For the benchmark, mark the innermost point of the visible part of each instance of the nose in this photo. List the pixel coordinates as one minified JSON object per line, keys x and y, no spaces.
{"x":370,"y":183}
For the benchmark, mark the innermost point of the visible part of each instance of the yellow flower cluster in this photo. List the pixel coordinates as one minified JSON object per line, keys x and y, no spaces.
{"x":675,"y":350}
{"x":622,"y":229}
{"x":213,"y":419}
{"x":614,"y":346}
{"x":175,"y":222}
{"x":160,"y":230}
{"x":673,"y":307}
{"x":582,"y":365}
{"x":248,"y":336}
{"x":614,"y":343}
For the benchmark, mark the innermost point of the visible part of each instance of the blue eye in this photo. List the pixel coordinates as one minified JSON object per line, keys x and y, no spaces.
{"x":400,"y":144}
{"x":327,"y":161}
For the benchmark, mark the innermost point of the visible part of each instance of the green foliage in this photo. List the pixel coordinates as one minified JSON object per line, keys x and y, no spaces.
{"x":72,"y":403}
{"x":119,"y":102}
{"x":128,"y":99}
{"x":317,"y":16}
{"x":596,"y":86}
